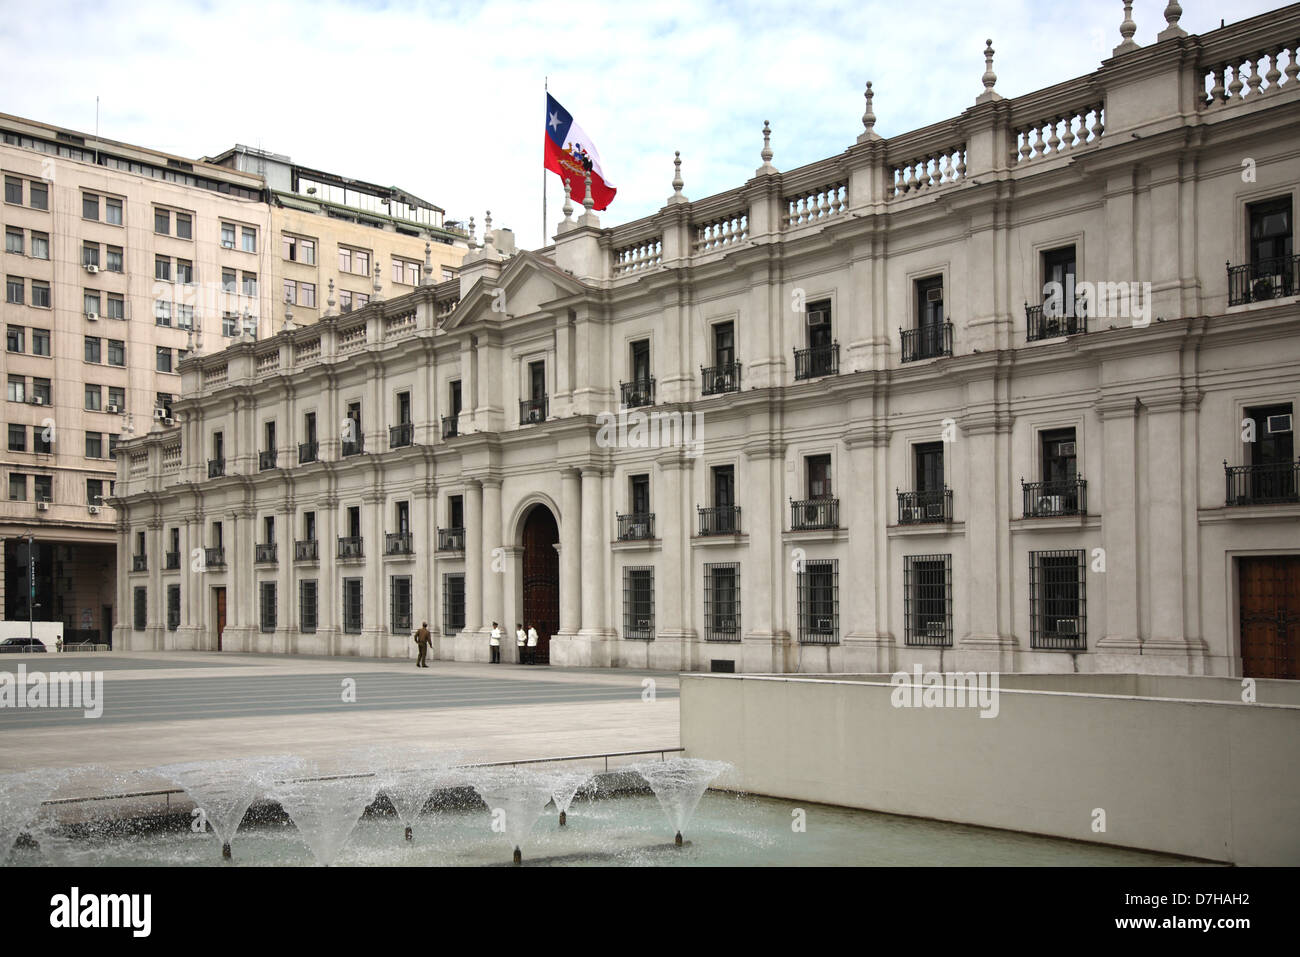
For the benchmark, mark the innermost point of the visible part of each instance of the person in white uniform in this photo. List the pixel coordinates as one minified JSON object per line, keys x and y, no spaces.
{"x":521,"y":640}
{"x":495,"y":643}
{"x":532,"y":645}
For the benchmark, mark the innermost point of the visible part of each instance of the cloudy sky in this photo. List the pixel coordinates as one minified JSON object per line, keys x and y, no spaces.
{"x":444,"y":98}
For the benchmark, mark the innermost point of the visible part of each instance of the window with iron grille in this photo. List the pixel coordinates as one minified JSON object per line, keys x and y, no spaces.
{"x":141,"y":608}
{"x":400,"y":586}
{"x":819,"y":603}
{"x":352,"y":605}
{"x":927,"y":600}
{"x":1057,"y":600}
{"x":722,"y":601}
{"x":173,"y":607}
{"x":453,"y":604}
{"x":267,"y":590}
{"x":639,"y":603}
{"x":307,"y":597}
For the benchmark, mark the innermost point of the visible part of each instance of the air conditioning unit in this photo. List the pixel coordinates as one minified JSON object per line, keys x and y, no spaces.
{"x":168,"y":420}
{"x":93,"y":316}
{"x":1067,"y":448}
{"x":1051,"y":505}
{"x":1067,"y":626}
{"x":92,"y":268}
{"x":160,"y":414}
{"x":93,"y":509}
{"x":227,"y":244}
{"x":38,"y":400}
{"x":643,"y":622}
{"x":1278,"y":424}
{"x":934,"y":295}
{"x":113,"y":409}
{"x":823,"y":625}
{"x":936,"y":629}
{"x":819,"y":317}
{"x":42,"y":506}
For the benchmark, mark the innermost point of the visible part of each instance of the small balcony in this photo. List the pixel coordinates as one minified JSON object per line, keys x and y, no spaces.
{"x":717,"y":380}
{"x":216,"y":468}
{"x":1047,"y":499}
{"x":266,"y":460}
{"x":927,"y":342}
{"x":1275,"y":484}
{"x":307,"y":550}
{"x":398,"y":543}
{"x":265,"y":553}
{"x":214,"y":558}
{"x":1042,"y":323}
{"x":353,"y":446}
{"x":308,"y":452}
{"x":814,"y":513}
{"x":451,"y":539}
{"x":449,"y":426}
{"x":924,"y":508}
{"x":172,"y":561}
{"x":1264,"y":280}
{"x":532,"y":410}
{"x":719,"y":519}
{"x":139,"y":563}
{"x":636,"y":527}
{"x":637,"y":393}
{"x":400,"y":436}
{"x":350,"y":546}
{"x":817,"y":361}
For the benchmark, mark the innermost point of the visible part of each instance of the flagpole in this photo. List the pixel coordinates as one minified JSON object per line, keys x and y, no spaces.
{"x":545,"y":89}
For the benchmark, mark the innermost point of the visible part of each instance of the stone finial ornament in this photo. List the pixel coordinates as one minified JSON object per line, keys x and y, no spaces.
{"x":568,"y":200}
{"x":329,"y":303}
{"x":428,"y":264}
{"x":588,"y":203}
{"x":1173,"y":13}
{"x":1127,"y":28}
{"x":767,"y":144}
{"x":989,"y":78}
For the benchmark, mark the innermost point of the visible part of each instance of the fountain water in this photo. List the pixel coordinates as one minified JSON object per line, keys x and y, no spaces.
{"x":565,"y":786}
{"x":325,"y":809}
{"x":224,"y":790}
{"x":412,"y":775}
{"x":519,"y":795}
{"x":21,"y":796}
{"x":678,"y":784}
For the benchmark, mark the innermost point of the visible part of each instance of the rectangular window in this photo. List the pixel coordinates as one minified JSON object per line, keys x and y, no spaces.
{"x":722,"y":601}
{"x":141,"y":608}
{"x":352,"y":606}
{"x":927,"y":601}
{"x":94,"y":445}
{"x":94,"y":491}
{"x":13,"y":190}
{"x":40,"y":195}
{"x":184,"y":226}
{"x":90,"y":302}
{"x":90,"y":254}
{"x":345,"y":301}
{"x":116,"y":352}
{"x":453,"y":604}
{"x":40,"y":245}
{"x":173,"y":607}
{"x":249,"y":239}
{"x":229,"y":325}
{"x":14,"y":289}
{"x":92,"y":348}
{"x":250,"y":284}
{"x":94,"y":397}
{"x":40,"y":294}
{"x":1057,"y":602}
{"x":185,"y":272}
{"x":116,"y":306}
{"x":17,"y":438}
{"x":40,"y":342}
{"x":117,"y":397}
{"x":162,"y":313}
{"x":928,"y":458}
{"x":162,"y":222}
{"x":1060,"y":459}
{"x":345,"y":256}
{"x":164,"y":359}
{"x":162,"y":268}
{"x":14,"y":241}
{"x":41,"y":440}
{"x":819,"y":603}
{"x":44,"y":488}
{"x":17,"y":388}
{"x":228,"y":280}
{"x":113,"y":259}
{"x":639,"y":493}
{"x":14,"y":338}
{"x":227,"y":236}
{"x":639,"y":603}
{"x":41,"y":390}
{"x":1271,"y":237}
{"x":17,"y":487}
{"x":307,"y":294}
{"x":113,"y":211}
{"x":401,"y":603}
{"x":267,"y":605}
{"x":184,"y":317}
{"x":291,"y":292}
{"x":307,"y":598}
{"x":89,"y":206}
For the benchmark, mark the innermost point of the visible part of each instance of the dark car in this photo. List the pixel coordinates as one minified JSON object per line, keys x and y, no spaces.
{"x":17,"y":645}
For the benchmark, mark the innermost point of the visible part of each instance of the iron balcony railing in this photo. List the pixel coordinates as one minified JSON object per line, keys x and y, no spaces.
{"x":1065,"y":497}
{"x":1272,"y":484}
{"x":350,"y":546}
{"x":922,"y":508}
{"x":265,"y":552}
{"x":638,"y":392}
{"x":265,"y":460}
{"x":926,"y":342}
{"x":216,"y":468}
{"x":139,"y":563}
{"x":401,"y":435}
{"x":397,"y":543}
{"x":638,"y":526}
{"x":716,"y":380}
{"x":451,"y":539}
{"x":1261,"y":281}
{"x":354,"y":446}
{"x":814,"y":513}
{"x":449,"y":430}
{"x":214,"y":557}
{"x":817,"y":361}
{"x":307,"y":550}
{"x":171,"y":561}
{"x":1042,"y":323}
{"x":532,"y":410}
{"x":719,"y":519}
{"x":307,"y":452}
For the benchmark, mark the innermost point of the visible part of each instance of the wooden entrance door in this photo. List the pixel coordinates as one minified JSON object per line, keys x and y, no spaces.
{"x":1270,"y":616}
{"x":541,"y":579}
{"x":220,"y":595}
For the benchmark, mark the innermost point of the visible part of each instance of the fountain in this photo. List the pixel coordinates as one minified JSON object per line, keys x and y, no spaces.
{"x":678,"y":784}
{"x":412,"y":775}
{"x":325,"y":809}
{"x":21,"y":797}
{"x":518,"y":794}
{"x":565,"y":786}
{"x":224,"y":790}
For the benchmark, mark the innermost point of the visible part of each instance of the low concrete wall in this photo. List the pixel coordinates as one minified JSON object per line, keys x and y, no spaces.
{"x":1218,"y":780}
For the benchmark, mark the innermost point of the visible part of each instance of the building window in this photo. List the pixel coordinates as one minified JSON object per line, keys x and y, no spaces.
{"x":116,"y":306}
{"x":116,"y":398}
{"x":401,"y":603}
{"x":185,"y":272}
{"x":41,"y":391}
{"x":92,"y":348}
{"x":40,"y":245}
{"x":639,"y":602}
{"x":307,"y":294}
{"x":227,"y":236}
{"x":1270,"y":232}
{"x":94,"y":491}
{"x":14,"y":338}
{"x":406,"y":272}
{"x":722,"y":601}
{"x":94,"y":445}
{"x":229,"y":324}
{"x":17,"y":438}
{"x":90,"y":254}
{"x":116,"y":352}
{"x":248,"y":238}
{"x":453,"y":604}
{"x":113,"y":211}
{"x":162,"y":222}
{"x":1057,"y":600}
{"x":14,"y":288}
{"x":17,"y":388}
{"x":89,"y":206}
{"x":141,"y":608}
{"x":250,"y":284}
{"x":352,"y":606}
{"x":113,"y":258}
{"x":94,"y":398}
{"x":17,"y":487}
{"x":13,"y":190}
{"x":44,"y":488}
{"x":40,"y":294}
{"x":184,"y":226}
{"x":90,"y":302}
{"x":164,"y":359}
{"x":307,"y":599}
{"x":162,"y":313}
{"x":927,"y":600}
{"x":184,"y":317}
{"x":267,"y":605}
{"x":298,"y":250}
{"x":173,"y":607}
{"x":41,"y":440}
{"x":14,"y":241}
{"x":819,"y":603}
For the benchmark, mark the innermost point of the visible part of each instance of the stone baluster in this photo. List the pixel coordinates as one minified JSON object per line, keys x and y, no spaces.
{"x":1234,"y":88}
{"x":1273,"y":74}
{"x":1053,"y":142}
{"x":1254,"y":80}
{"x":1292,"y":67}
{"x":1099,"y":125}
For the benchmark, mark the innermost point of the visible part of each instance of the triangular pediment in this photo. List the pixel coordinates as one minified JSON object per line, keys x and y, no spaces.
{"x":527,"y":283}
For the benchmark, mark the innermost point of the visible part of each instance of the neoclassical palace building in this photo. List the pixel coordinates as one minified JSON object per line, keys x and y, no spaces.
{"x":983,"y":395}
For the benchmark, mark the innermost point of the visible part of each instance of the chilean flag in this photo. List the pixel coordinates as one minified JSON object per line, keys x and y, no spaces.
{"x":569,"y":152}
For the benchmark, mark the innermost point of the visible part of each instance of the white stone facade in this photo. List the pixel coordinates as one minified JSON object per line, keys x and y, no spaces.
{"x":1139,"y":169}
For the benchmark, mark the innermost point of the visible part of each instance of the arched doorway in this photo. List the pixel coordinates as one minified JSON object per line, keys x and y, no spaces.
{"x":541,"y":578}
